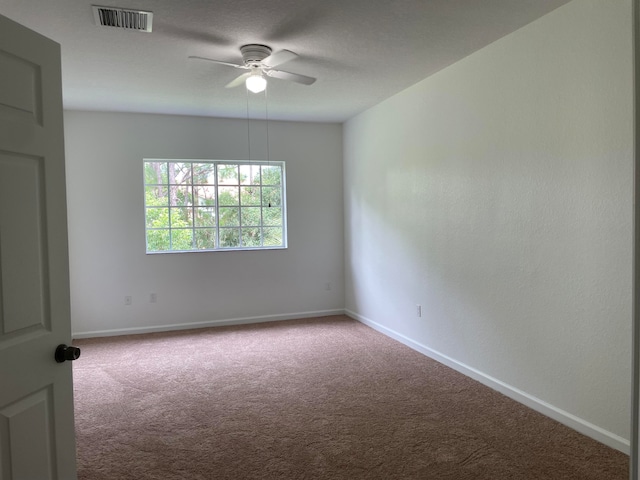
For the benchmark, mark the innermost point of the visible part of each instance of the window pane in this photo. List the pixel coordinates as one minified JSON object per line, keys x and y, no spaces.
{"x":228,"y":196}
{"x":272,"y":237}
{"x":272,"y":216}
{"x":229,"y":237}
{"x":205,"y":217}
{"x":250,"y":174}
{"x":271,"y":196}
{"x":205,"y":238}
{"x":204,"y":174}
{"x":251,"y":237}
{"x":181,"y":196}
{"x":250,"y":195}
{"x":158,"y":240}
{"x":205,"y":195}
{"x":157,"y":217}
{"x":180,"y":173}
{"x":155,"y":173}
{"x":250,"y":217}
{"x":156,"y":196}
{"x":181,"y":239}
{"x":228,"y":174}
{"x":229,"y":217}
{"x":271,"y":175}
{"x":181,"y":217}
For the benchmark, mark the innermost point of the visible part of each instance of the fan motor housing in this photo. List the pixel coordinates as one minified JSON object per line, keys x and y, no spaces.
{"x":253,"y":53}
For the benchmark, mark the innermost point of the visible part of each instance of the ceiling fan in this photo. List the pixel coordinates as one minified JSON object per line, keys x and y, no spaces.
{"x":260,"y":61}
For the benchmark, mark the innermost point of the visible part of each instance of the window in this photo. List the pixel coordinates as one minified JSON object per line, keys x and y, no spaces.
{"x":196,"y":205}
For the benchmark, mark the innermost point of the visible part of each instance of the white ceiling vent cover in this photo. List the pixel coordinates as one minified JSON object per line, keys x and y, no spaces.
{"x":123,"y":18}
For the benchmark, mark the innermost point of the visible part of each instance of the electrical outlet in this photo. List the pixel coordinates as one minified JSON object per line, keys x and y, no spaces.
{"x":419,"y":310}
{"x":128,"y":300}
{"x":153,"y":298}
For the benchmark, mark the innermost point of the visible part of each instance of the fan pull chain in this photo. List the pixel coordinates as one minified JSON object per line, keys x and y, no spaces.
{"x":248,"y":125}
{"x":266,"y":108}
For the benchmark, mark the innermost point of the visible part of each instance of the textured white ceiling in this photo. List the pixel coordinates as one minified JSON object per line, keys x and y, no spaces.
{"x":361,"y":51}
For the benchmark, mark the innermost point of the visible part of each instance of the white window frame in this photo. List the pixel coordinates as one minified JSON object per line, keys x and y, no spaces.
{"x":216,"y":186}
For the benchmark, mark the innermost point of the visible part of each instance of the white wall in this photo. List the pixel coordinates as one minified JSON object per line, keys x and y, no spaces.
{"x":106,"y":225}
{"x":498,"y":195}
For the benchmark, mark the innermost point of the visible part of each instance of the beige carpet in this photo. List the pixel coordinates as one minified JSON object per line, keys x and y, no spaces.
{"x":325,"y":398}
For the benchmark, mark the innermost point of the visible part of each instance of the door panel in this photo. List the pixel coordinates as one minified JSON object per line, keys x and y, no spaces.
{"x":27,"y":438}
{"x":20,"y":87}
{"x":23,"y":296}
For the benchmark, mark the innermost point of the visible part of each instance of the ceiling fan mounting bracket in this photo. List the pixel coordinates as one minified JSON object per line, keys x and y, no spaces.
{"x":253,"y":53}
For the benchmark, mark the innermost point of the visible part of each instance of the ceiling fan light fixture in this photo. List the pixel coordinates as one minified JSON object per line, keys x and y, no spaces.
{"x":256,"y":83}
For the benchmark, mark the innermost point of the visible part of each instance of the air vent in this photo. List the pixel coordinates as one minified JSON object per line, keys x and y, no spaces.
{"x":123,"y":18}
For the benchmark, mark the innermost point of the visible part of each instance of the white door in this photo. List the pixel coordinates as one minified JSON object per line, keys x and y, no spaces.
{"x":37,"y":439}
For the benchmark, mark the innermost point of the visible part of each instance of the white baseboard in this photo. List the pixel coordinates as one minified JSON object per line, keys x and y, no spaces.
{"x":610,"y":439}
{"x":213,"y":323}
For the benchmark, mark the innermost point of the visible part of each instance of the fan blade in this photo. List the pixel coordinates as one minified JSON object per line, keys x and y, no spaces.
{"x":238,"y":80}
{"x":279,"y":58}
{"x":294,"y":77}
{"x":218,"y":62}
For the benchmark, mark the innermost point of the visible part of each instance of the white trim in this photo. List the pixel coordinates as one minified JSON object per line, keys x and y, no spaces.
{"x":580,"y":425}
{"x":212,"y":323}
{"x":634,"y":463}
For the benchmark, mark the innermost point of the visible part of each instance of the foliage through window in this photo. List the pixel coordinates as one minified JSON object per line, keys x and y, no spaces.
{"x":214,"y":205}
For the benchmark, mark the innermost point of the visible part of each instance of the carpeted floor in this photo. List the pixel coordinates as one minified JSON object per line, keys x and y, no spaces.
{"x":325,"y":398}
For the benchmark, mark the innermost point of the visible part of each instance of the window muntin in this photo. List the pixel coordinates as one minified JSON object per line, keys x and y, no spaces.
{"x":203,"y":205}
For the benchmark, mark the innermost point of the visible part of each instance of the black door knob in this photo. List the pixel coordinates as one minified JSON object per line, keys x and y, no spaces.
{"x":64,"y":353}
